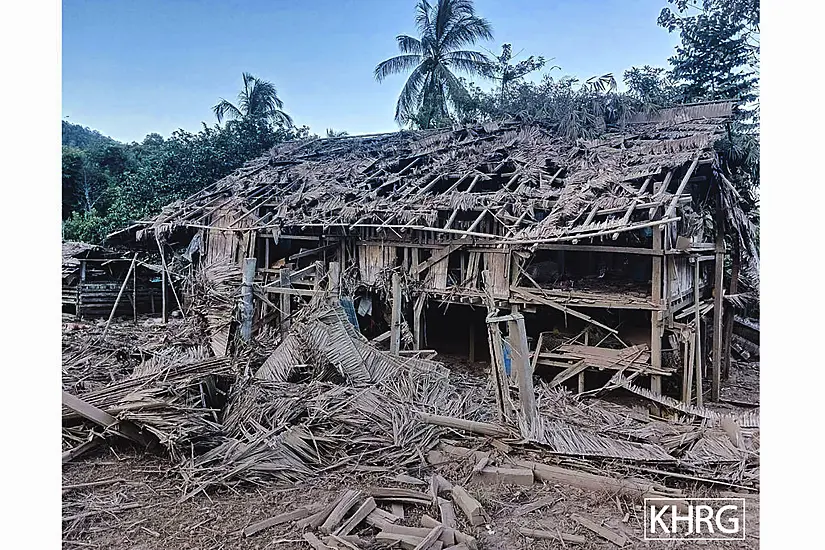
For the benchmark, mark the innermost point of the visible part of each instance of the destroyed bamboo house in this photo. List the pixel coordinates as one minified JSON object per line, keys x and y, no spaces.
{"x":503,"y":242}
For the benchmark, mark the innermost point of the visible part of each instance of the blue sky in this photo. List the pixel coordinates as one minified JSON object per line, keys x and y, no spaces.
{"x":135,"y":67}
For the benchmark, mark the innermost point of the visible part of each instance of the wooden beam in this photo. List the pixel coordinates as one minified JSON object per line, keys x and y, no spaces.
{"x":718,"y":293}
{"x":697,"y":336}
{"x":395,"y":326}
{"x":286,"y":300}
{"x":123,"y":428}
{"x":117,"y":300}
{"x":599,"y":248}
{"x":520,"y":364}
{"x":436,"y":257}
{"x":247,"y":305}
{"x":672,"y":208}
{"x":655,"y":320}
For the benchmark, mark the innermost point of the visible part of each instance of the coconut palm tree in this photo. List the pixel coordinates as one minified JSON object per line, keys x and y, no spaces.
{"x":258,"y":99}
{"x":445,"y":28}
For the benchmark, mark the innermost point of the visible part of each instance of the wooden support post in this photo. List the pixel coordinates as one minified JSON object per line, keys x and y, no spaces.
{"x":655,"y":315}
{"x":79,"y":298}
{"x":419,"y":326}
{"x":581,"y":374}
{"x":520,"y":363}
{"x":164,"y":312}
{"x":247,"y":306}
{"x":134,"y":294}
{"x":718,"y":293}
{"x":698,"y":341}
{"x":334,"y":279}
{"x":395,"y":328}
{"x":733,"y":288}
{"x":168,"y":276}
{"x":286,"y":299}
{"x":501,"y":387}
{"x":119,"y":294}
{"x":266,"y":252}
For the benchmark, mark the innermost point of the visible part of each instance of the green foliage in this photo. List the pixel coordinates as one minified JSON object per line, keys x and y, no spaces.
{"x":572,"y":109}
{"x":133,"y":182}
{"x":506,"y":72}
{"x":718,"y":54}
{"x":79,"y":137}
{"x":445,"y":28}
{"x":652,"y":86}
{"x":257,"y":100}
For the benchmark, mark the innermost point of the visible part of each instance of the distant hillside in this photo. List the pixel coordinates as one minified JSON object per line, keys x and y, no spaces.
{"x":75,"y":135}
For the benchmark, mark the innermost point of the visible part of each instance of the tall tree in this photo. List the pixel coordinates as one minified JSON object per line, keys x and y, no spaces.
{"x":257,"y":100}
{"x":445,"y":29}
{"x":718,"y":56}
{"x":506,"y":72}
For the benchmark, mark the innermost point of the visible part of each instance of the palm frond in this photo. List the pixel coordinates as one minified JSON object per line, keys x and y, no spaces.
{"x":225,"y":109}
{"x":410,"y":97}
{"x":396,"y":64}
{"x":408,"y":44}
{"x":465,"y":32}
{"x":469,"y":61}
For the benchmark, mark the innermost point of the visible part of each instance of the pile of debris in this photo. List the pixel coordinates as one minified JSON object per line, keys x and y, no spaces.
{"x":325,"y":399}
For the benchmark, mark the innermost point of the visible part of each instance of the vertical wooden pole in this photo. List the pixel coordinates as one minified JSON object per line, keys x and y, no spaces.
{"x":730,"y":317}
{"x":581,"y":374}
{"x":514,"y":340}
{"x":419,"y":327}
{"x":247,"y":306}
{"x":266,"y":251}
{"x":286,"y":299}
{"x":78,"y":309}
{"x":520,"y":363}
{"x":119,"y":294}
{"x":164,"y":313}
{"x":395,"y":323}
{"x":334,"y":279}
{"x":134,"y":294}
{"x":655,"y":315}
{"x":698,"y":345}
{"x":718,"y":292}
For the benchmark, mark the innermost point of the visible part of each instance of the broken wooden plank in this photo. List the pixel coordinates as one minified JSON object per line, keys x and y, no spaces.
{"x":512,"y":476}
{"x":363,"y":511}
{"x":482,"y":428}
{"x":447,"y":512}
{"x":447,"y":534}
{"x":607,"y":534}
{"x":408,"y":542}
{"x":315,"y":542}
{"x":469,"y":506}
{"x":430,"y":539}
{"x":345,"y":503}
{"x":122,"y":428}
{"x":568,"y":373}
{"x":533,"y":506}
{"x":399,"y":494}
{"x":287,"y":517}
{"x":380,"y":518}
{"x":397,"y":509}
{"x":551,"y":535}
{"x":637,"y":489}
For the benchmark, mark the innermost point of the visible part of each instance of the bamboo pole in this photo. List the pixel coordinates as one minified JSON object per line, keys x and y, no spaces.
{"x":395,"y":328}
{"x":246,"y":299}
{"x":718,"y":292}
{"x":698,"y":334}
{"x":119,"y":294}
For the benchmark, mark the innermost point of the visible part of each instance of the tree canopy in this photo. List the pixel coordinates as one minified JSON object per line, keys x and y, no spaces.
{"x":446,"y":28}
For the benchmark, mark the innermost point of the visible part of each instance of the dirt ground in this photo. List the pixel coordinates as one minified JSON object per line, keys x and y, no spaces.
{"x":213,"y":521}
{"x":120,"y":497}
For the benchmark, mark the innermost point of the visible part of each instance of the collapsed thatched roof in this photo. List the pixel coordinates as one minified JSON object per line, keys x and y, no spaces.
{"x":532,"y":184}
